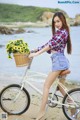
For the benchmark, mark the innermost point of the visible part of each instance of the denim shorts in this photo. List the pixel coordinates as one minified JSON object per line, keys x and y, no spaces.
{"x":59,"y":62}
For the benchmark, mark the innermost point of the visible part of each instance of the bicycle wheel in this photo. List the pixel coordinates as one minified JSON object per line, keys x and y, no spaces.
{"x":70,"y":112}
{"x":13,"y":100}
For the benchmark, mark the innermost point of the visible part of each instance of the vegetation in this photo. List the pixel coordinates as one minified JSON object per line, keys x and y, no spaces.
{"x":17,"y":46}
{"x":16,"y":13}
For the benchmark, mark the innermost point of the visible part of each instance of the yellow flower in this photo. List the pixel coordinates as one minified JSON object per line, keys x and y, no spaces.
{"x":18,"y":45}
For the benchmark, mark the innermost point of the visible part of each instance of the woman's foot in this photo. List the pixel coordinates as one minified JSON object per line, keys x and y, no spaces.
{"x":73,"y":110}
{"x":40,"y":115}
{"x":74,"y":113}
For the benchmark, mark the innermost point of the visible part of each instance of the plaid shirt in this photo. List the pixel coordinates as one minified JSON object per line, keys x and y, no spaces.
{"x":58,"y":41}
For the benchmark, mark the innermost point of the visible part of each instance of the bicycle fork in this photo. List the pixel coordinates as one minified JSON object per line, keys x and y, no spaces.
{"x":18,"y":94}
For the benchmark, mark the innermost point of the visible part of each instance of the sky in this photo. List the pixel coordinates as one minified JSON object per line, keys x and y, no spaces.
{"x":71,"y":7}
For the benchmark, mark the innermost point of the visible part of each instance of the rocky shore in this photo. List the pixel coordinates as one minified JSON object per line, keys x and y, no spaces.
{"x":18,"y":27}
{"x":45,"y":21}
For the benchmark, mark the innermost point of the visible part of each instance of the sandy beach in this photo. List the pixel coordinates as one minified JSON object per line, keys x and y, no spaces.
{"x":31,"y":114}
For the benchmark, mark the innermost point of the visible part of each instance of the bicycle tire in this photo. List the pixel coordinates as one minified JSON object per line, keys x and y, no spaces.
{"x":7,"y":98}
{"x":75,"y":94}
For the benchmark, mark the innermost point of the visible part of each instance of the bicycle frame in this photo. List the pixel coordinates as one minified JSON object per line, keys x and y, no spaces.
{"x":55,"y":84}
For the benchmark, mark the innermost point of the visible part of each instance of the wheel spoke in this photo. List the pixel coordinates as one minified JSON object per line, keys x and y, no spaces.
{"x":73,"y":111}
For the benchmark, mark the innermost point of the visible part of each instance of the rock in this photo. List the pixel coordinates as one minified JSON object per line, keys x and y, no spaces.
{"x":29,"y":31}
{"x":47,"y":17}
{"x":20,"y":30}
{"x":1,"y":46}
{"x":76,"y":23}
{"x":6,"y":30}
{"x":77,"y":19}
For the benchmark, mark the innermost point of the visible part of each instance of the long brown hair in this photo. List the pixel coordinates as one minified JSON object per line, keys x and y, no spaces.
{"x":64,"y":26}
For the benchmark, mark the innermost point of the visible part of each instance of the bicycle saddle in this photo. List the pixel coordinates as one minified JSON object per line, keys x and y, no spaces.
{"x":65,"y":72}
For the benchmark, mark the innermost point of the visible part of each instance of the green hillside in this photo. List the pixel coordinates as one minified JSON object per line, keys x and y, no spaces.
{"x":16,"y":13}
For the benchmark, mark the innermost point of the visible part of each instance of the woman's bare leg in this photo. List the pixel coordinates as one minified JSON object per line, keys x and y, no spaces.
{"x":73,"y":110}
{"x":50,"y":79}
{"x":60,"y":88}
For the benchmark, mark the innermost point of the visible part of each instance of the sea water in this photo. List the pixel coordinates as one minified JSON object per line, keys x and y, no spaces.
{"x":42,"y":63}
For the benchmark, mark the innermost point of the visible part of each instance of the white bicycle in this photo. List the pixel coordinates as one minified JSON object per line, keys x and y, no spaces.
{"x":15,"y":99}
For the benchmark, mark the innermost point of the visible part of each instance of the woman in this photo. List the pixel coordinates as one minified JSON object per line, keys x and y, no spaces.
{"x":56,"y":46}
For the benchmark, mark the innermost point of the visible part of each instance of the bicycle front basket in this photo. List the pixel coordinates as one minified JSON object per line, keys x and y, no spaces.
{"x":21,"y":59}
